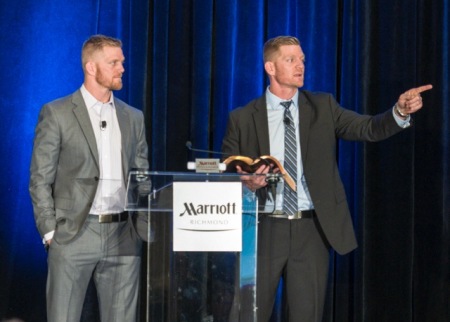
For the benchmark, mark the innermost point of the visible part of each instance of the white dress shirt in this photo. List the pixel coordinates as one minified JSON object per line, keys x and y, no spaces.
{"x":110,"y":195}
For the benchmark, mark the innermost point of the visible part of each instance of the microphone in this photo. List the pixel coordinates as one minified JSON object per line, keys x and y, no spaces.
{"x":286,"y":121}
{"x":103,"y":125}
{"x":214,"y":166}
{"x":189,"y":146}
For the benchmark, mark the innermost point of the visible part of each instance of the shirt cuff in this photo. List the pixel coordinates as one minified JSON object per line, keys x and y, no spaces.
{"x":48,"y":236}
{"x":248,"y":195}
{"x":403,"y":123}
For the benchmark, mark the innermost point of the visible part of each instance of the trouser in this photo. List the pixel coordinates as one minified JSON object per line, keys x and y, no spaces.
{"x":296,"y":250}
{"x":108,"y":252}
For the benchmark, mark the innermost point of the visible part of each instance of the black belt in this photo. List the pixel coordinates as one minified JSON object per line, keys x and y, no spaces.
{"x":303,"y":214}
{"x":108,"y":218}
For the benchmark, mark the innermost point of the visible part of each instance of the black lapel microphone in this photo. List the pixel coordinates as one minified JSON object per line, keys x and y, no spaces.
{"x":103,"y":125}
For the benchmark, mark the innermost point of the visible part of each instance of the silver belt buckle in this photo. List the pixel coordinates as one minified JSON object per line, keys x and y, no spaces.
{"x":104,"y":219}
{"x":282,"y":214}
{"x":279,"y":214}
{"x":297,"y":215}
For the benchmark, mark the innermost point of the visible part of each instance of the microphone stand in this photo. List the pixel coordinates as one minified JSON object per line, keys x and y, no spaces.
{"x":193,"y":165}
{"x":272,"y":180}
{"x":190,"y":148}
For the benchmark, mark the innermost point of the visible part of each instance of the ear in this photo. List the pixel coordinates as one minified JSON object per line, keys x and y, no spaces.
{"x":269,"y":67}
{"x":91,"y":68}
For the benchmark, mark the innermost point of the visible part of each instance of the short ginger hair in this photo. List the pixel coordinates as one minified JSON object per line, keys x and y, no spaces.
{"x":273,"y":45}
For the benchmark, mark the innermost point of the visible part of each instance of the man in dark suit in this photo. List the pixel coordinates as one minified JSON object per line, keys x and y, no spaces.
{"x":295,"y":243}
{"x":85,"y":145}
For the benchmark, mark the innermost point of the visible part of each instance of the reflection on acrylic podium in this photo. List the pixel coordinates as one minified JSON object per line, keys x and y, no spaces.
{"x":200,"y":265}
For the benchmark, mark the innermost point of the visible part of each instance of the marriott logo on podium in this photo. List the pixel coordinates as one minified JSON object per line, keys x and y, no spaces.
{"x":191,"y":209}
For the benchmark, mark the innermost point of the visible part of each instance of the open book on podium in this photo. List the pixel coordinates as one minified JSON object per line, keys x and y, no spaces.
{"x":251,"y":165}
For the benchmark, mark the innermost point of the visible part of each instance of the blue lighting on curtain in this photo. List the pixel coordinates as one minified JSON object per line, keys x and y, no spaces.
{"x":41,"y":61}
{"x":202,"y":59}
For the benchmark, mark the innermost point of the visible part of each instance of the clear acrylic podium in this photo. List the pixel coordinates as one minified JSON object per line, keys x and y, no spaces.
{"x":198,"y":286}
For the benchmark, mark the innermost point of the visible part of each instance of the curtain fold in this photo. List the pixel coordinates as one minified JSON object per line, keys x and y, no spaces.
{"x":189,"y":63}
{"x":41,"y":61}
{"x":366,"y":54}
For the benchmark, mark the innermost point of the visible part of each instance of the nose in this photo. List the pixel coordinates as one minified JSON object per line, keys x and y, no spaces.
{"x":121,"y":68}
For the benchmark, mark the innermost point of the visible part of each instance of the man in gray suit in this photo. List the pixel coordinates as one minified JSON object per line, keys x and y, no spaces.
{"x":295,"y":243}
{"x":85,"y":145}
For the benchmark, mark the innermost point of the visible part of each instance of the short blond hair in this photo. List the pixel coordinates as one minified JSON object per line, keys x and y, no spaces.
{"x":96,"y":43}
{"x":273,"y":45}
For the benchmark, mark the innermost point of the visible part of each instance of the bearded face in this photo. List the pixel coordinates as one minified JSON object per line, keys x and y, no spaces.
{"x":109,"y":68}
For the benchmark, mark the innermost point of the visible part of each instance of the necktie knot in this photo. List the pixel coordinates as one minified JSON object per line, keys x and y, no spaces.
{"x":286,"y":104}
{"x":287,"y":114}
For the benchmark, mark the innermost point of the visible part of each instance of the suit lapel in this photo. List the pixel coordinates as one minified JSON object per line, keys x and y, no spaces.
{"x":304,"y":113}
{"x":82,"y":115}
{"x":261,"y":124}
{"x":124,"y":125}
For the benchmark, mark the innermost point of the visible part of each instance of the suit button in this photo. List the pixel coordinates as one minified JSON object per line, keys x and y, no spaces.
{"x":96,"y":178}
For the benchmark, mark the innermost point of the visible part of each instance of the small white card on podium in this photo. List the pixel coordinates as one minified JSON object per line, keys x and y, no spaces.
{"x":207,"y":165}
{"x":207,"y":216}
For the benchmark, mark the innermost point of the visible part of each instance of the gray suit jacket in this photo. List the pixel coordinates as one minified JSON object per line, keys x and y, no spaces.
{"x":322,"y":122}
{"x":64,"y":166}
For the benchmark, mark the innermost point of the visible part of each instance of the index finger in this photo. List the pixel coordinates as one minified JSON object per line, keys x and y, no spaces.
{"x":423,"y":88}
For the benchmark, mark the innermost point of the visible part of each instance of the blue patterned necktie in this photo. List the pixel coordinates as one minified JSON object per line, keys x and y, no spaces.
{"x":290,"y":206}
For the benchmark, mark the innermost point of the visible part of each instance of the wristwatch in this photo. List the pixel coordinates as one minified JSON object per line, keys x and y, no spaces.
{"x":398,"y":112}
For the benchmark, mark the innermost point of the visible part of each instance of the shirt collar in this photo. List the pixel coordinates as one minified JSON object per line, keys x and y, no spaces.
{"x":91,"y":101}
{"x":273,"y":101}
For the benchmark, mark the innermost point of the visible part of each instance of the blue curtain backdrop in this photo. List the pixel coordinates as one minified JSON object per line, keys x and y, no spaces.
{"x":190,"y":62}
{"x":41,"y":60}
